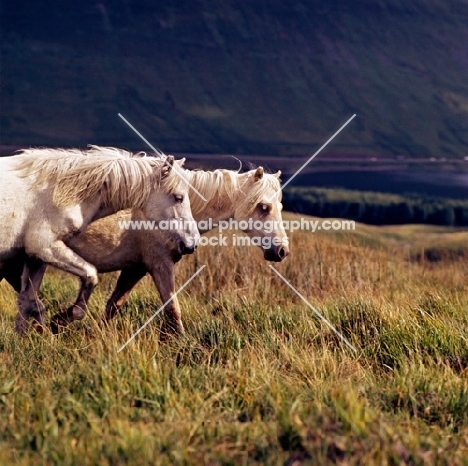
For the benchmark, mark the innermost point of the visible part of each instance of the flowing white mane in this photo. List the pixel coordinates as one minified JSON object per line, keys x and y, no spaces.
{"x":224,"y":187}
{"x":120,"y":178}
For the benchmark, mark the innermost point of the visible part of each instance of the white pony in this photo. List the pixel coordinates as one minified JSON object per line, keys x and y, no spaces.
{"x":47,"y":196}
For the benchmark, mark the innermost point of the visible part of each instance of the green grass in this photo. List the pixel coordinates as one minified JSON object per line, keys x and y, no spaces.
{"x":258,"y":379}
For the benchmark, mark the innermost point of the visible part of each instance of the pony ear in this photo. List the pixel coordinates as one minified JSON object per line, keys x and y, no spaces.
{"x":180,"y":162}
{"x":278,"y":174}
{"x":258,"y":174}
{"x":167,"y":167}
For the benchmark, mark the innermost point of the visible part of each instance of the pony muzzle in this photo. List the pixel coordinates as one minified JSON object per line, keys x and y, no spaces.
{"x":189,"y":246}
{"x":276,"y":253}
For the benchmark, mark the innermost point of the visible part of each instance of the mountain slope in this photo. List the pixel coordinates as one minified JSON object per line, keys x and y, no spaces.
{"x":244,"y":77}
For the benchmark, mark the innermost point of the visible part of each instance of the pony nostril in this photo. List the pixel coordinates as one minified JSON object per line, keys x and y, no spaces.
{"x":282,"y":253}
{"x":186,"y":249}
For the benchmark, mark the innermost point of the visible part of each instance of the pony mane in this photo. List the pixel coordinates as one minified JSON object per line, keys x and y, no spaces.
{"x":227,"y":186}
{"x":119,"y":178}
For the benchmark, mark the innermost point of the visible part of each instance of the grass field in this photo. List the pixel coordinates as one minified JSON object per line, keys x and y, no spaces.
{"x":259,"y":379}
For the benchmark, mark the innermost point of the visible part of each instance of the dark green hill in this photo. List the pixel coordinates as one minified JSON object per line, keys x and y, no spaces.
{"x":251,"y":76}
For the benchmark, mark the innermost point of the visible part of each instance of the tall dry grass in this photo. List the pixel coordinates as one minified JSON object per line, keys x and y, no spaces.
{"x":258,"y":379}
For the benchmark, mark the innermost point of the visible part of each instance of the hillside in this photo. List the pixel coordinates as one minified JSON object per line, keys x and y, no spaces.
{"x":255,"y":76}
{"x":376,"y":208}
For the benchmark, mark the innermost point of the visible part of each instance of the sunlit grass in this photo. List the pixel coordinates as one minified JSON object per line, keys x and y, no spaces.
{"x":258,"y":379}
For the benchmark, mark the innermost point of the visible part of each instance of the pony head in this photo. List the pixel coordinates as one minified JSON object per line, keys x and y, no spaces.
{"x":260,"y":206}
{"x":170,"y":206}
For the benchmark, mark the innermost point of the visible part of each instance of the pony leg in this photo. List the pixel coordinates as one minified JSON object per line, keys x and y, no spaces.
{"x":62,"y":257}
{"x":75,"y":312}
{"x":163,"y":277}
{"x":28,"y":303}
{"x":128,"y":278}
{"x":12,"y":271}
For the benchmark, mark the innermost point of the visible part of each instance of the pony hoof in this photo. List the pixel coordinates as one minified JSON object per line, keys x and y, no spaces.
{"x":38,"y":327}
{"x":172,"y":331}
{"x":21,"y":326}
{"x":57,"y":324}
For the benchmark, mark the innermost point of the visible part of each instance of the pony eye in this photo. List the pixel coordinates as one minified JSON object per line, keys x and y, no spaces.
{"x":179,"y":198}
{"x":265,"y":208}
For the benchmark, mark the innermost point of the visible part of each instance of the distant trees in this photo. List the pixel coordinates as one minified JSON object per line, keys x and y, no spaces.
{"x":376,"y":208}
